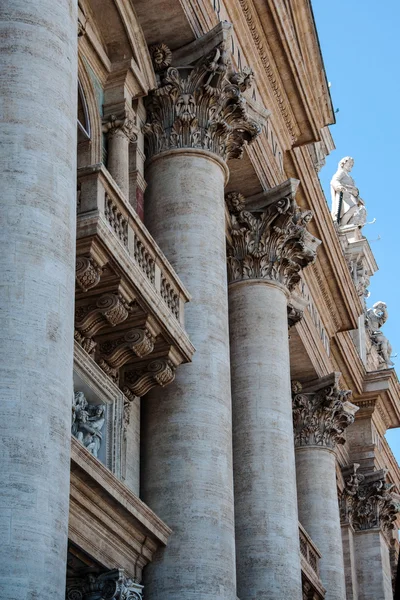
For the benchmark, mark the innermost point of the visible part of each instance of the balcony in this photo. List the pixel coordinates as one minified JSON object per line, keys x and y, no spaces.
{"x":310,"y":557}
{"x":129,"y":301}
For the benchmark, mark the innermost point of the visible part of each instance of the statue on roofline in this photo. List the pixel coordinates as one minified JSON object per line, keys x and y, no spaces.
{"x":348,"y":208}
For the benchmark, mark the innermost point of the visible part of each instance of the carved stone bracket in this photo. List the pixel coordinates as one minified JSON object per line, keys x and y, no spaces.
{"x":368,"y":502}
{"x":88,"y":272}
{"x":200,"y":103}
{"x":113,"y":585}
{"x":109,"y":308}
{"x":321,"y":412}
{"x":140,"y":379}
{"x":269,"y":241}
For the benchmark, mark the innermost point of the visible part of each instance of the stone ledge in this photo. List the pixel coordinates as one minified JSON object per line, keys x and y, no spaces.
{"x":107,"y":521}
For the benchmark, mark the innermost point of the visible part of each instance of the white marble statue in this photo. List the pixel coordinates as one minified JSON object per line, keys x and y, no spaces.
{"x":375,"y":318}
{"x":87,"y":423}
{"x":352,"y":211}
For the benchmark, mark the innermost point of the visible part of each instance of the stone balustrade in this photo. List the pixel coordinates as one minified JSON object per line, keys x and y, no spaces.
{"x":310,"y":571}
{"x":99,"y":196}
{"x":129,"y":306}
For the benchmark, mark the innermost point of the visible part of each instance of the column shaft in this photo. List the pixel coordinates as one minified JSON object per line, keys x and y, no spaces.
{"x":319,"y":513}
{"x":118,"y":159}
{"x":373,"y":566}
{"x":266,"y":522}
{"x":187,"y":434}
{"x":38,"y":91}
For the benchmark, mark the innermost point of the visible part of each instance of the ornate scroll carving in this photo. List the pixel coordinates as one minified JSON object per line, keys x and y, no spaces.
{"x":321,"y":412}
{"x":269,"y":243}
{"x":120,"y":125}
{"x":88,"y":272}
{"x":109,"y":309}
{"x":113,"y":585}
{"x":200,"y":106}
{"x":368,"y":502}
{"x":139,"y":381}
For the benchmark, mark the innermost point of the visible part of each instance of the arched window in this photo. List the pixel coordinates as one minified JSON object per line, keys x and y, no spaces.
{"x":83,"y":116}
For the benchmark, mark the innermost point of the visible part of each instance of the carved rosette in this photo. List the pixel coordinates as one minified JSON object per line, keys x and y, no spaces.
{"x":368,"y":502}
{"x":113,"y":585}
{"x":272,"y":244}
{"x":320,"y":417}
{"x":200,"y":106}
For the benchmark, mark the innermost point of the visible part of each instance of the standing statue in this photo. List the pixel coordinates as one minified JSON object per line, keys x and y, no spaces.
{"x":345,"y":197}
{"x":375,"y":318}
{"x":87,"y":423}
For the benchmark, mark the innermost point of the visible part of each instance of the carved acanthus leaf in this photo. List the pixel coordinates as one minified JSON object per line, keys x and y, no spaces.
{"x":271,"y":244}
{"x":200,"y":106}
{"x":113,"y":585}
{"x":369,"y":502}
{"x":321,"y":416}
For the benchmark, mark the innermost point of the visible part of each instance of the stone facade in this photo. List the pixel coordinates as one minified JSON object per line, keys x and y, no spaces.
{"x":199,"y":409}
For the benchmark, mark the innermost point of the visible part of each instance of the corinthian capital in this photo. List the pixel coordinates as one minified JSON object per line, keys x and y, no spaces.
{"x":321,"y":412}
{"x":199,"y":102}
{"x":269,"y":237}
{"x":368,"y":501}
{"x":113,"y":585}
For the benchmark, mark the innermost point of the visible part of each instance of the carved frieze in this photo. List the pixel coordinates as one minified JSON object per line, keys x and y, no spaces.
{"x":113,"y":585}
{"x":321,"y":412}
{"x":269,"y":243}
{"x":368,"y":501}
{"x":201,"y":105}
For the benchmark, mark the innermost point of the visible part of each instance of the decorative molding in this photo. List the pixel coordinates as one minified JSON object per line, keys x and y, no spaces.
{"x":269,"y":243}
{"x":202,"y":105}
{"x":273,"y":78}
{"x":367,"y":501}
{"x":321,"y":412}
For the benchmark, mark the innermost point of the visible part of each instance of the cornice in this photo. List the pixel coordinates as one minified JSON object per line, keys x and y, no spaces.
{"x":331,"y":270}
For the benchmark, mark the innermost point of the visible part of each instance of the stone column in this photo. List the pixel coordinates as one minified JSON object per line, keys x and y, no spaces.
{"x":120,"y":132}
{"x":321,"y":412}
{"x":369,"y":507}
{"x":38,"y":92}
{"x":187,"y":429}
{"x":268,"y":248}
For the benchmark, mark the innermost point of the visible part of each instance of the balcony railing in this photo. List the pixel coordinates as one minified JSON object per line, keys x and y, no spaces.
{"x":99,"y":195}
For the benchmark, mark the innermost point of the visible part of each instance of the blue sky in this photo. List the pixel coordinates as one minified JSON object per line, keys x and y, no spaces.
{"x":360,"y":45}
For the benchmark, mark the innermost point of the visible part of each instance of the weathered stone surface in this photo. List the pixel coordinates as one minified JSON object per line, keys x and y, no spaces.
{"x":186,"y":432}
{"x":38,"y":60}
